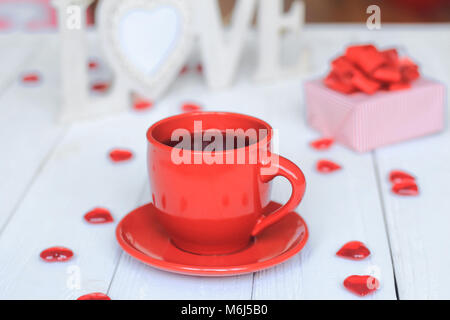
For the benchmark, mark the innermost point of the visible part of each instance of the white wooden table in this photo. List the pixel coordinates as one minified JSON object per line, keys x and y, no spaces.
{"x":51,"y":175}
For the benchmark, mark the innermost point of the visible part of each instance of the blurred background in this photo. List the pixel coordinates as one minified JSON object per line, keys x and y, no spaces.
{"x":350,"y":10}
{"x":38,"y":14}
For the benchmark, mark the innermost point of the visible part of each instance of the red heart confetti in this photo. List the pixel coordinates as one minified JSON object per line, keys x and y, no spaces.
{"x":31,"y":78}
{"x":397,"y":176}
{"x":94,"y":296}
{"x":406,"y":188}
{"x":56,"y":254}
{"x":142,"y":104}
{"x":322,"y":144}
{"x":120,"y":155}
{"x":93,"y":65}
{"x":100,"y":86}
{"x":191,"y":107}
{"x":184,"y":70}
{"x":199,"y":68}
{"x":361,"y":285}
{"x":354,"y":250}
{"x":327,"y":166}
{"x":98,"y":216}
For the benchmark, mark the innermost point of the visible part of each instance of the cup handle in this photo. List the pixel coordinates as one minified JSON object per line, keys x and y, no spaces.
{"x":290,"y":171}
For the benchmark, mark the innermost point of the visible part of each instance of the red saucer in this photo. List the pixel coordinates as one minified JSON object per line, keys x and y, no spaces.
{"x":141,"y":236}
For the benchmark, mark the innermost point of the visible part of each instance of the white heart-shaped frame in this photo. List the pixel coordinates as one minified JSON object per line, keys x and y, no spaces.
{"x":146,"y":41}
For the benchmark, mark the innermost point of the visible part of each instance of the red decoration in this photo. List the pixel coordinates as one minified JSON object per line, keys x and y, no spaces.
{"x":100,"y":86}
{"x":399,"y":86}
{"x":397,"y":176}
{"x":142,"y":104}
{"x":327,"y":166}
{"x":354,"y":250}
{"x":30,"y":78}
{"x":322,"y":144}
{"x":406,"y":188}
{"x":361,"y":285}
{"x":94,"y":296}
{"x":119,"y":155}
{"x":365,"y":68}
{"x":199,"y":68}
{"x":93,"y":64}
{"x":56,"y":254}
{"x":191,"y":107}
{"x":98,"y":216}
{"x":184,"y":70}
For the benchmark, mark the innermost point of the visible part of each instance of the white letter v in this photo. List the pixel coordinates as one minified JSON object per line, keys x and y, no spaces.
{"x":221,"y":50}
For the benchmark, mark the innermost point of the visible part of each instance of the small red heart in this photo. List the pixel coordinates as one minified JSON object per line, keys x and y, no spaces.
{"x":56,"y":254}
{"x":93,"y":65}
{"x":100,"y":86}
{"x":142,"y":104}
{"x":199,"y":68}
{"x":354,"y":250}
{"x":98,"y":216}
{"x":327,"y":166}
{"x":406,"y":188}
{"x":361,"y":285}
{"x":191,"y":107}
{"x":322,"y":144}
{"x":184,"y":70}
{"x":119,"y":155}
{"x":397,"y":176}
{"x":30,"y":78}
{"x":94,"y":296}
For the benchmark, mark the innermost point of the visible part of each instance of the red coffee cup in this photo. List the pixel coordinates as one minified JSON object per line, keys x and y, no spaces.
{"x":210,"y":200}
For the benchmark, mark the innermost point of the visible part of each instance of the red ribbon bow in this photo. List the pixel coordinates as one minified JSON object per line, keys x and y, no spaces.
{"x":365,"y":68}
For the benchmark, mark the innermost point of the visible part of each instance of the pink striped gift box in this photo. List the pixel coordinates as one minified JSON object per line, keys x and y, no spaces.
{"x":366,"y":122}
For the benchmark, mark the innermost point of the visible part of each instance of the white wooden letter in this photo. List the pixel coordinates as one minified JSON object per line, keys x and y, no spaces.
{"x":221,"y":49}
{"x":76,"y":102}
{"x":271,"y":21}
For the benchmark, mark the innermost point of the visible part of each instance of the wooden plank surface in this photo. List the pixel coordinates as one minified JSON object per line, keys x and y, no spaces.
{"x":418,"y":226}
{"x":16,"y":51}
{"x":27,"y":115}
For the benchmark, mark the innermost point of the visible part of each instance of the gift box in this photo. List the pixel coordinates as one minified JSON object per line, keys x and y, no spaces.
{"x":365,"y":118}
